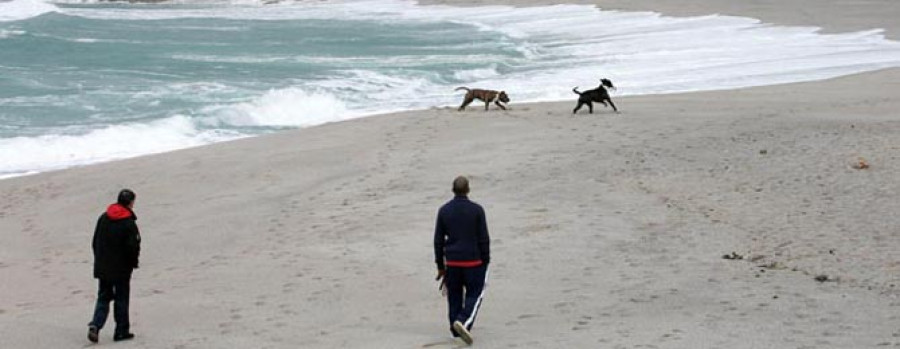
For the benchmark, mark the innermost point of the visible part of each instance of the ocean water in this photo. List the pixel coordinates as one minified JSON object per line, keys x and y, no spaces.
{"x":85,"y":82}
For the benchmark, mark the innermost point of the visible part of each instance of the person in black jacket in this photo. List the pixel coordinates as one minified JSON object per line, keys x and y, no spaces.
{"x":116,"y":246}
{"x":462,"y":253}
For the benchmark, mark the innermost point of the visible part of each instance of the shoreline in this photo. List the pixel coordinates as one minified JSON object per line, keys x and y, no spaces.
{"x":677,"y":8}
{"x":608,"y":230}
{"x":431,"y":109}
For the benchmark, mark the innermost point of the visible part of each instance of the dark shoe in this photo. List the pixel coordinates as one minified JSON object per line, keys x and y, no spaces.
{"x":463,"y":332}
{"x":93,"y":333}
{"x":123,"y":337}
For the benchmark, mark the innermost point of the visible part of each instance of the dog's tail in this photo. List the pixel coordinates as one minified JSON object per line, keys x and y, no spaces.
{"x":463,"y":88}
{"x":575,"y":89}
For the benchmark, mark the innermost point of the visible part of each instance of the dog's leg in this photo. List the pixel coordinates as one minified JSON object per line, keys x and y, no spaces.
{"x":613,"y":105}
{"x":466,"y":102}
{"x":486,"y":104}
{"x":497,"y":102}
{"x":590,"y":107}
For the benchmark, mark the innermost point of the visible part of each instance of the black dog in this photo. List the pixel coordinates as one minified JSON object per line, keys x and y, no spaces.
{"x":599,"y":95}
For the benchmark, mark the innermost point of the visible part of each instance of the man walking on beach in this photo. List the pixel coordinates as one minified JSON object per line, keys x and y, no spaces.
{"x":462,"y":253}
{"x":116,"y":245}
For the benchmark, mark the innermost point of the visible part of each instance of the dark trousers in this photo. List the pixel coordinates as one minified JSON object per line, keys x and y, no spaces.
{"x":465,"y":290}
{"x":113,"y":290}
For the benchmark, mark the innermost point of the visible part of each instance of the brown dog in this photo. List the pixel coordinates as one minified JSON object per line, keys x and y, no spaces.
{"x":487,"y":96}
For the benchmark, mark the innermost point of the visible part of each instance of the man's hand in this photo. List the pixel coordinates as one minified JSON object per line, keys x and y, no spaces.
{"x":440,"y":276}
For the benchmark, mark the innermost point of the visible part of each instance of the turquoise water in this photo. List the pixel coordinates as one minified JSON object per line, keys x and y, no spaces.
{"x":81,"y":84}
{"x":72,"y":71}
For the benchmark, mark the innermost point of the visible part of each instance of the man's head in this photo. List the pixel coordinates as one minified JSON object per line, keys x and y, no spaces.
{"x":126,"y":198}
{"x":461,"y":186}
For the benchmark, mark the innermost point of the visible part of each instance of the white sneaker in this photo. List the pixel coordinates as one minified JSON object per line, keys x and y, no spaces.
{"x":463,"y":332}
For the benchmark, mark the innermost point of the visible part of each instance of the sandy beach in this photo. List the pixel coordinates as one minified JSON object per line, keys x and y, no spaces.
{"x":608,"y":230}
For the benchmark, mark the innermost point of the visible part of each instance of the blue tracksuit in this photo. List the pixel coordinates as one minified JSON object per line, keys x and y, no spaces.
{"x":462,"y":248}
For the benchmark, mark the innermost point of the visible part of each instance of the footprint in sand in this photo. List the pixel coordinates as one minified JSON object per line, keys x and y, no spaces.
{"x":581,"y":325}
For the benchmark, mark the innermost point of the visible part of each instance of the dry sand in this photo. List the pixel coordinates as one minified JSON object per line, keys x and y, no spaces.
{"x":608,"y":229}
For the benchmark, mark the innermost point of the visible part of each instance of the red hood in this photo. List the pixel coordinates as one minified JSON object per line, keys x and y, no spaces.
{"x":117,"y":211}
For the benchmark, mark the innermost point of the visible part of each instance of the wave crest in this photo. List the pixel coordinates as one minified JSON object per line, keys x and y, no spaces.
{"x":291,"y":107}
{"x":18,"y":10}
{"x":52,"y":152}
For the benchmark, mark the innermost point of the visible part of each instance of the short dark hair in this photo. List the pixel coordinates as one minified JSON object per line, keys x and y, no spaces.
{"x":461,"y":185}
{"x":126,"y":197}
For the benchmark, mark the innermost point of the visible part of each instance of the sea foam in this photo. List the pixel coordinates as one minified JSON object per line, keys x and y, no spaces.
{"x":18,"y":10}
{"x":50,"y":152}
{"x":292,"y":107}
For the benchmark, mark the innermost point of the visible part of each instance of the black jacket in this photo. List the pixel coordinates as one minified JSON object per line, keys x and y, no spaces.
{"x":461,"y":233}
{"x":116,"y":244}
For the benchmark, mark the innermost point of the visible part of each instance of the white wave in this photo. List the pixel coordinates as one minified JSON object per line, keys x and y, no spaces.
{"x":20,"y":174}
{"x":27,"y":154}
{"x":371,"y":92}
{"x":231,"y":59}
{"x":89,"y":40}
{"x":10,"y":33}
{"x":18,"y":10}
{"x":476,"y":74}
{"x":285,"y":107}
